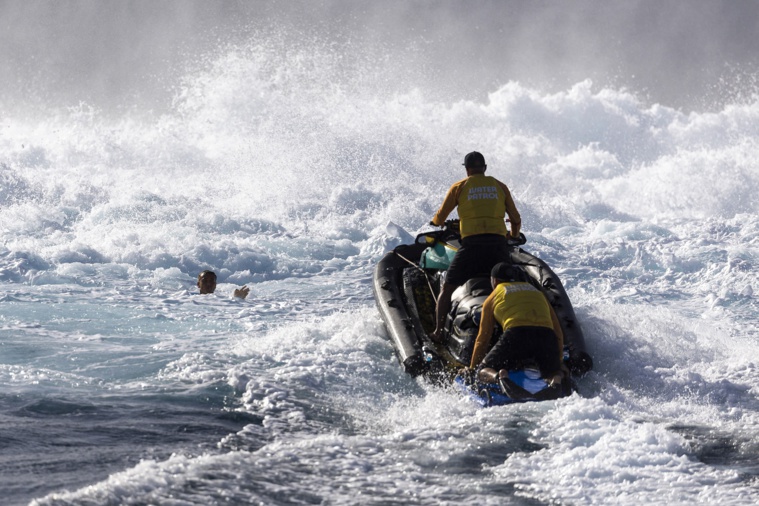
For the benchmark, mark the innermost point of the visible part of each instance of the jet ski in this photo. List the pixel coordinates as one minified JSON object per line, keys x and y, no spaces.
{"x":407,"y":281}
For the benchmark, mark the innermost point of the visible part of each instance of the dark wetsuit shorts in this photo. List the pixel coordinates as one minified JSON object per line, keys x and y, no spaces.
{"x":520,"y":345}
{"x":476,"y":257}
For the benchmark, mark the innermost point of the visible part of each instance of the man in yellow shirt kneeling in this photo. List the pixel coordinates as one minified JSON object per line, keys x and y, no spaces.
{"x":531,"y":329}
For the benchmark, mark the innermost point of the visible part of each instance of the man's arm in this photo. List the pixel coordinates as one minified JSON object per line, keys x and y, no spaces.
{"x":485,"y":334}
{"x":449,"y":203}
{"x":511,"y":210}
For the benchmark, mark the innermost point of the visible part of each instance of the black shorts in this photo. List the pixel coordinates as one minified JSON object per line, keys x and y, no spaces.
{"x":520,"y":345}
{"x":476,"y":257}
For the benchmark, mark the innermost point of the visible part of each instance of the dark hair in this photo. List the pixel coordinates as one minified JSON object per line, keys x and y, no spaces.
{"x":474,"y":160}
{"x":212,"y":273}
{"x":507,"y":272}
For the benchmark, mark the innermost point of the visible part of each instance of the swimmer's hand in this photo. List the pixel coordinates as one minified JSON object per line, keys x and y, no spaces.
{"x":242,"y":292}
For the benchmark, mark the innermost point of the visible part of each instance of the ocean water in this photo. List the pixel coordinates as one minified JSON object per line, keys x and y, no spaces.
{"x":288,"y":169}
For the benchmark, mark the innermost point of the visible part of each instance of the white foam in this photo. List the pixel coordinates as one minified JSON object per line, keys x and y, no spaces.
{"x":288,"y":178}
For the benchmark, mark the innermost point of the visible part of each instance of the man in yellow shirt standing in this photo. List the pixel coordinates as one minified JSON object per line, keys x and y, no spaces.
{"x":483,"y":202}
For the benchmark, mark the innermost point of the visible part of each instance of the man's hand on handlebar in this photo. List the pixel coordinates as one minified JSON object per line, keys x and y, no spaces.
{"x":516,"y":241}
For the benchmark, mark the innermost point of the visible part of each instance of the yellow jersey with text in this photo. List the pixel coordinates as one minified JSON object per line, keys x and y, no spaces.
{"x":520,"y":305}
{"x":514,"y":305}
{"x":482,"y":203}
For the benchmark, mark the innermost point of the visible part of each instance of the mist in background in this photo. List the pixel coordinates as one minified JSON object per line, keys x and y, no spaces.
{"x":127,"y":55}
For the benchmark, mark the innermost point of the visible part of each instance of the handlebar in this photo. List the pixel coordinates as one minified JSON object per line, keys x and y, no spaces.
{"x":454,"y":226}
{"x":518,"y":241}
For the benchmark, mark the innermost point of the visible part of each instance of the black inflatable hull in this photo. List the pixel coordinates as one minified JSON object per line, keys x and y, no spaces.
{"x":403,"y":329}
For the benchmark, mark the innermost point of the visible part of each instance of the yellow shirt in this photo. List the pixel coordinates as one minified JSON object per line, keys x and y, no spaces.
{"x":482,"y":202}
{"x":514,"y":305}
{"x":520,"y":304}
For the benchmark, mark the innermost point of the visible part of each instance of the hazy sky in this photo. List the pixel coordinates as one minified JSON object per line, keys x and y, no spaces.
{"x":684,"y":53}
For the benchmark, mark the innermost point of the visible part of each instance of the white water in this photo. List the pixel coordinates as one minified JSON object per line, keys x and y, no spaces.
{"x":284,"y":168}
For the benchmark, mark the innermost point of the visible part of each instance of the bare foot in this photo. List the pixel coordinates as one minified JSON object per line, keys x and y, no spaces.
{"x":555,"y":380}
